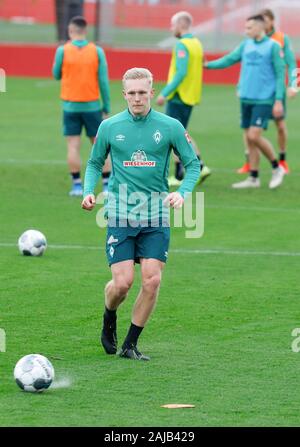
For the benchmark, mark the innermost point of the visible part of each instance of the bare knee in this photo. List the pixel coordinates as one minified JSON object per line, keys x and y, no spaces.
{"x":281,"y":127}
{"x":253,"y":136}
{"x":151,"y":283}
{"x":122,"y":285}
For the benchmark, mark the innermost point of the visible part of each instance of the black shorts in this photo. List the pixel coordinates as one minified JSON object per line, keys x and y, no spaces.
{"x":73,"y":122}
{"x":179,"y":111}
{"x":255,"y":115}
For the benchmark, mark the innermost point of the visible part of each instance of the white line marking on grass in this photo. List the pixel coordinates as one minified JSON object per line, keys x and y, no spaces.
{"x":32,"y":162}
{"x":233,"y":171}
{"x":200,"y":251}
{"x":225,"y":251}
{"x":46,"y":83}
{"x":254,"y":208}
{"x":58,"y":246}
{"x":75,"y":247}
{"x":20,"y":161}
{"x":59,"y":162}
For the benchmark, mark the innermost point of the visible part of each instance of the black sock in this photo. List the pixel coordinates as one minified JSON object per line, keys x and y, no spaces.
{"x":105,"y":178}
{"x":109,"y":317}
{"x":179,"y":171}
{"x":201,"y":162}
{"x":132,"y":336}
{"x":76,"y":177}
{"x":254,"y":173}
{"x":282,"y":156}
{"x":274,"y":164}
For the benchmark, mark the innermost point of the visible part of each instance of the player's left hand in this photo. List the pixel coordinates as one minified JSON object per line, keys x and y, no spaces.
{"x":292,"y":92}
{"x":174,"y":200}
{"x":277,"y":109}
{"x":105,"y":115}
{"x":88,"y":202}
{"x":160,"y":100}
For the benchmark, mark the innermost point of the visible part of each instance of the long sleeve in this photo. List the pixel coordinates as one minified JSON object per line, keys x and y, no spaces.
{"x":184,"y":150}
{"x":229,"y":59}
{"x":96,"y":161}
{"x":58,"y":61}
{"x":279,"y":67}
{"x":290,"y":61}
{"x":182,"y":60}
{"x":103,"y":80}
{"x":191,"y":178}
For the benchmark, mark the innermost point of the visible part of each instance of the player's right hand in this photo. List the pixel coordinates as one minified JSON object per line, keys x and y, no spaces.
{"x":278,"y":109}
{"x":160,"y":100}
{"x":292,"y":92}
{"x":88,"y":202}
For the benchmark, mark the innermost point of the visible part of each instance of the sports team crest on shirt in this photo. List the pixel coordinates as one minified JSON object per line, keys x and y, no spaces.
{"x":188,"y":138}
{"x":138,"y":159}
{"x":157,"y":136}
{"x":120,"y":137}
{"x":181,"y":54}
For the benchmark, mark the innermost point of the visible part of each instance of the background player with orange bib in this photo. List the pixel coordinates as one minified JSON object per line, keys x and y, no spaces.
{"x":82,"y":68}
{"x":283,"y":40}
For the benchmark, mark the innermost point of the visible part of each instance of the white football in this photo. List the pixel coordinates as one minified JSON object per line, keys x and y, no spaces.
{"x":32,"y":243}
{"x":34,"y":373}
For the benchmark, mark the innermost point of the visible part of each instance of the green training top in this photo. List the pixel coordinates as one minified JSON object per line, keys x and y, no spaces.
{"x":140,"y":149}
{"x":88,"y":106}
{"x":237,"y":55}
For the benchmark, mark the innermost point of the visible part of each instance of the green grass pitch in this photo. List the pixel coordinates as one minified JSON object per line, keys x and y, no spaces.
{"x":220,"y":337}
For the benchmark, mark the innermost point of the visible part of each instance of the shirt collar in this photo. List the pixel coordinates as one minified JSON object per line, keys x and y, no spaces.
{"x":271,"y":32}
{"x":261,"y":40}
{"x":186,"y":35}
{"x":80,"y":43}
{"x":139,"y":118}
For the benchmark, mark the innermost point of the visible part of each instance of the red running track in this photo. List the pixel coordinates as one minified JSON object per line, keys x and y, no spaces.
{"x":37,"y":60}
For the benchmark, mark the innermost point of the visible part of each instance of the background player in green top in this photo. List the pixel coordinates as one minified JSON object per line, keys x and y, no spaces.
{"x":82,"y":68}
{"x":140,"y":141}
{"x":261,"y":91}
{"x":184,"y":87}
{"x":289,"y":58}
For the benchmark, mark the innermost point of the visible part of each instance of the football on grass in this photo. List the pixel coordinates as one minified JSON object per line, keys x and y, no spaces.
{"x":34,"y":373}
{"x":32,"y":243}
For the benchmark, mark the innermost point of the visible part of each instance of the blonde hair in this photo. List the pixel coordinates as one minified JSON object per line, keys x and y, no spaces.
{"x":138,"y":73}
{"x":183,"y":16}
